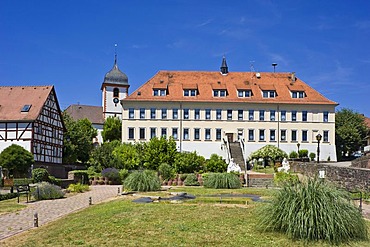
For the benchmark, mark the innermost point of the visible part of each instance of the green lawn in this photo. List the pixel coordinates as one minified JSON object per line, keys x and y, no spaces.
{"x":124,"y":223}
{"x":12,"y":205}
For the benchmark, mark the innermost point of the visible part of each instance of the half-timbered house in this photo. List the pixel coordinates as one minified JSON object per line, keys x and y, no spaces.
{"x":30,"y":116}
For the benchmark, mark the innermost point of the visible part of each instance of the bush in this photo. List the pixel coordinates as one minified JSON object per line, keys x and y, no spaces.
{"x":293,"y":155}
{"x":191,"y":180}
{"x":216,"y":164}
{"x":188,"y":162}
{"x":81,"y":176}
{"x":222,"y":181}
{"x":8,"y":196}
{"x":55,"y":181}
{"x":312,"y":156}
{"x":111,"y":173}
{"x":146,"y":180}
{"x":281,"y":178}
{"x":22,"y":181}
{"x":314,"y":210}
{"x":166,"y":171}
{"x":45,"y":190}
{"x":303,"y":153}
{"x":78,"y":188}
{"x":40,"y":175}
{"x":123,"y":174}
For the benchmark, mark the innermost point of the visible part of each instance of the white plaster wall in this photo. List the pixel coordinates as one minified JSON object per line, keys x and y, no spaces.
{"x":25,"y":144}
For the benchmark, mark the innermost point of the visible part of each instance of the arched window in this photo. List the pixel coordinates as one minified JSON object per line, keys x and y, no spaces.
{"x":115,"y":92}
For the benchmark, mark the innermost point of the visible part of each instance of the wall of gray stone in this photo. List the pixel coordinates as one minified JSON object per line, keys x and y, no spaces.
{"x":350,"y":178}
{"x":362,"y":162}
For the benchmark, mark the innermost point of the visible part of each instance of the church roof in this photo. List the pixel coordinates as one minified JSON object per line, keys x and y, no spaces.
{"x":93,"y":113}
{"x":115,"y":75}
{"x":208,"y":81}
{"x":22,"y":103}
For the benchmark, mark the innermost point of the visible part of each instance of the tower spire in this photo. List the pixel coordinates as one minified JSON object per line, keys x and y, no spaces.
{"x":224,"y":68}
{"x":115,"y":54}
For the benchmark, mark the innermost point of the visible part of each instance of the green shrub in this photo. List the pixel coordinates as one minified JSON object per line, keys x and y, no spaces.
{"x":40,"y":175}
{"x":312,"y":156}
{"x":191,"y":180}
{"x":293,"y":155}
{"x":222,"y":181}
{"x":112,"y":174}
{"x":314,"y":210}
{"x":166,"y":171}
{"x":183,"y":176}
{"x":81,"y":176}
{"x":303,"y":153}
{"x":282,"y":178}
{"x":54,"y":180}
{"x":216,"y":164}
{"x":22,"y":181}
{"x":7,"y":196}
{"x":146,"y":180}
{"x":123,"y":174}
{"x":188,"y":162}
{"x":45,"y":190}
{"x":78,"y":188}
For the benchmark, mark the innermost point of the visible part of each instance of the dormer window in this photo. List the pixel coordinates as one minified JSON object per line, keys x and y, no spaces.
{"x":219,"y":92}
{"x":190,"y":92}
{"x":244,"y":93}
{"x":298,"y":94}
{"x":159,"y":92}
{"x":269,"y":93}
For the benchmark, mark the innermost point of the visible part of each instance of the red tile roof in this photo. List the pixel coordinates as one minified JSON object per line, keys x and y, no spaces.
{"x":13,"y":99}
{"x":207,"y":81}
{"x":367,"y":121}
{"x":93,"y":113}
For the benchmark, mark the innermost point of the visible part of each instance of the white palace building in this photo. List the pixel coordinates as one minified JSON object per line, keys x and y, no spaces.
{"x":209,"y":112}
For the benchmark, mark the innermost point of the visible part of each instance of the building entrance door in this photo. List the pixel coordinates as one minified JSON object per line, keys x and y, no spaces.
{"x":230,"y":137}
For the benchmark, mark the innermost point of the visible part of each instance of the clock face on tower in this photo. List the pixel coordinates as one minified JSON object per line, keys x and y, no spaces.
{"x":115,"y":100}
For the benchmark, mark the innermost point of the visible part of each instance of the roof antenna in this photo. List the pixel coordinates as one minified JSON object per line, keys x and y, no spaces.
{"x":274,"y":65}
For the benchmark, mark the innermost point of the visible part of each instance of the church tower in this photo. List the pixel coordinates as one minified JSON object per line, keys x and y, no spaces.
{"x":114,"y":88}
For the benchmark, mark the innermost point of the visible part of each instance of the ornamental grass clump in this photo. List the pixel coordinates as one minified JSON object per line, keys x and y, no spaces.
{"x":222,"y":181}
{"x":146,"y":180}
{"x":314,"y":210}
{"x":45,"y":191}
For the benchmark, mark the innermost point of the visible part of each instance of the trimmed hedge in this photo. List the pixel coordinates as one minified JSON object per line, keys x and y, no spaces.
{"x":8,"y":196}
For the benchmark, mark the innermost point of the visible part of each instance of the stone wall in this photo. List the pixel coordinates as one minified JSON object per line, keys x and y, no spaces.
{"x":350,"y":178}
{"x":362,"y":162}
{"x":260,"y":180}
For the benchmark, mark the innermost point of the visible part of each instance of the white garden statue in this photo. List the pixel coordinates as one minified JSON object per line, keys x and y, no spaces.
{"x":232,"y":167}
{"x":285,"y":167}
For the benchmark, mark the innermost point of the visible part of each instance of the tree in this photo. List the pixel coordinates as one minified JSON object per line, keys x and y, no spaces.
{"x":159,"y":151}
{"x":269,"y":152}
{"x":16,"y":159}
{"x":350,"y":131}
{"x":78,"y":140}
{"x":129,"y":155}
{"x":188,"y":162}
{"x":216,"y":164}
{"x":103,"y":157}
{"x":112,"y":129}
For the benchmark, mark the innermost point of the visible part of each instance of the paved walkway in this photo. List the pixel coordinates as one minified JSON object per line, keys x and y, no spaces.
{"x":49,"y":210}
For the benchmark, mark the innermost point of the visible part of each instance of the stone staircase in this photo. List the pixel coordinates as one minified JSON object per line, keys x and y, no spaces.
{"x":237,"y":154}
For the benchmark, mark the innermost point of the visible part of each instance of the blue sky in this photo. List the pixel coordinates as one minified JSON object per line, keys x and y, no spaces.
{"x":70,"y":44}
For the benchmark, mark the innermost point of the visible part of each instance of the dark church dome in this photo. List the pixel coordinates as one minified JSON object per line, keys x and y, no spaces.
{"x":116,"y":76}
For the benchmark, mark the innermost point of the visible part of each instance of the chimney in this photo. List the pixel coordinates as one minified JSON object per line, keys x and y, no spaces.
{"x":292,"y":76}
